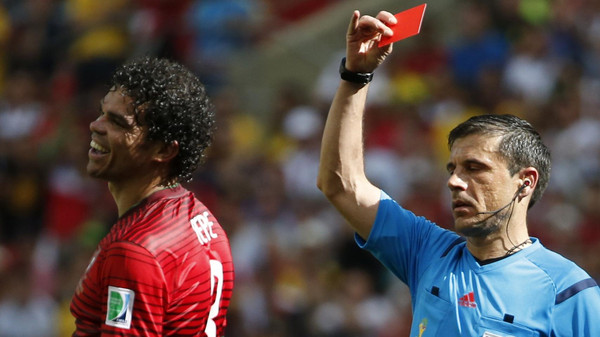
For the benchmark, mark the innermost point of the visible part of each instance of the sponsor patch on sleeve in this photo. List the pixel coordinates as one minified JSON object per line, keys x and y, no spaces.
{"x":119,"y":307}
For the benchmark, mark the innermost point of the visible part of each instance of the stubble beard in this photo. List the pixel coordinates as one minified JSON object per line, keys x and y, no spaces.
{"x":489,"y":225}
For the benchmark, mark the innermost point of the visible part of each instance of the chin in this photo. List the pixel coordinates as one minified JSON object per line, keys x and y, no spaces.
{"x":96,"y":176}
{"x":477,"y":229}
{"x":94,"y":172}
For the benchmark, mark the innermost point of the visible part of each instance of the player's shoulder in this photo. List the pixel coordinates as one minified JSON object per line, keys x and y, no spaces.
{"x":170,"y":221}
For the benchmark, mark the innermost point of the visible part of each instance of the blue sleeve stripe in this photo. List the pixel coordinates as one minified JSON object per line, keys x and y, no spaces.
{"x":457,"y":241}
{"x":574,"y":289}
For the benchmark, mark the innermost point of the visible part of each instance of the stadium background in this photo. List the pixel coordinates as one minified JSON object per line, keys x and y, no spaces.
{"x":271,"y":68}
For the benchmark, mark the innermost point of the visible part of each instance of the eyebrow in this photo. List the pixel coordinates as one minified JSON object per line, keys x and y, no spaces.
{"x":466,"y":162}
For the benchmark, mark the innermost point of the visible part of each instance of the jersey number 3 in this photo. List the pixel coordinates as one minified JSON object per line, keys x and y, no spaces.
{"x":216,"y":288}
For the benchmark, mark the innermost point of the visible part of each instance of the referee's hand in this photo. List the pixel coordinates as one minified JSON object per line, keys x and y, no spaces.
{"x":364,"y":32}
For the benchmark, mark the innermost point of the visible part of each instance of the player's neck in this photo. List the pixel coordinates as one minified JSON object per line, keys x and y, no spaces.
{"x":131,"y":192}
{"x":500,"y":245}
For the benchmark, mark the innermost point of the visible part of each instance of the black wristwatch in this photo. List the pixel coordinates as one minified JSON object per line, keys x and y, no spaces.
{"x":359,"y":78}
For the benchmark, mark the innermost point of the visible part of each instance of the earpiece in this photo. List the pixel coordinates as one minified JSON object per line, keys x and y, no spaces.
{"x":526,"y":183}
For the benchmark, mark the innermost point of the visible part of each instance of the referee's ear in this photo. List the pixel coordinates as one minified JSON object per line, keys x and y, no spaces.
{"x":165,"y":152}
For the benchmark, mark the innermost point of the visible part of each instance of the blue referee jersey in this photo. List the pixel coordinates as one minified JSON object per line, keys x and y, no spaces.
{"x":534,"y":292}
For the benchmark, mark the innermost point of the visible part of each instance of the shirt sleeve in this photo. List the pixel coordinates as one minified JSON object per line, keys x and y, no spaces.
{"x":577,"y":310}
{"x":134,"y":292}
{"x":405,"y":243}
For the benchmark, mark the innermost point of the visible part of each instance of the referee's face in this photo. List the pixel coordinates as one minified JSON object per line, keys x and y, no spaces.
{"x":118,"y":151}
{"x":480,"y":184}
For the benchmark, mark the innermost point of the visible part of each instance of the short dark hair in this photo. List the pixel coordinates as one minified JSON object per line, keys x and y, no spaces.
{"x":175,"y":107}
{"x":521,"y":145}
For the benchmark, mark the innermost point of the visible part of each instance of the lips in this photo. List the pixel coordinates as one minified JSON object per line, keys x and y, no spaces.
{"x":461,"y":205}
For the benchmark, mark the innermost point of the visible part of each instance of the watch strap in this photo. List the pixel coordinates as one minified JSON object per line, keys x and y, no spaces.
{"x":350,"y":76}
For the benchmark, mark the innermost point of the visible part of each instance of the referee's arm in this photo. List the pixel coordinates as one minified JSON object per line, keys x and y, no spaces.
{"x":342,"y":177}
{"x":341,"y":170}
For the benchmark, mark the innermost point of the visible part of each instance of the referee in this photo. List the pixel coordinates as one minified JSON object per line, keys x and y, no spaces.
{"x":493,"y":279}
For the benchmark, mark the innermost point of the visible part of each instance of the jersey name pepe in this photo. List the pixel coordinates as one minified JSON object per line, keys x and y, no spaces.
{"x":203,"y":228}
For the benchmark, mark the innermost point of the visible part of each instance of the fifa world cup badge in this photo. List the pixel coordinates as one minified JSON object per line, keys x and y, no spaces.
{"x":119,"y":307}
{"x":422,"y":327}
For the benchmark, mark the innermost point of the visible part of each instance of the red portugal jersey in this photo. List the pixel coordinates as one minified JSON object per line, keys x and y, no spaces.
{"x":165,"y":269}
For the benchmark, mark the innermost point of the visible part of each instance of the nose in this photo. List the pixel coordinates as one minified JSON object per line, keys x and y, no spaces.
{"x":97,"y":125}
{"x":456,"y":183}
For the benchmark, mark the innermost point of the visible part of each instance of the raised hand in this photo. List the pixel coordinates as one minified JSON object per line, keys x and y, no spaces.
{"x":364,"y":32}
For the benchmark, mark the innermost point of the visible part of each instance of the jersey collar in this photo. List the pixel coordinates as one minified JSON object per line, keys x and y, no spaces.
{"x":513,"y":258}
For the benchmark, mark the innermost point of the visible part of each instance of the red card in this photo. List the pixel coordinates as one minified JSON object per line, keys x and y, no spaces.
{"x":409,"y":24}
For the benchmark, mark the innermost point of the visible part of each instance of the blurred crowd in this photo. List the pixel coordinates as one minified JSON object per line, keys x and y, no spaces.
{"x":298,"y":270}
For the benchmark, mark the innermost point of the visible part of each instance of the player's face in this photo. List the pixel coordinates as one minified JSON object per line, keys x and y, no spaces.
{"x":117,"y":150}
{"x":479,"y":181}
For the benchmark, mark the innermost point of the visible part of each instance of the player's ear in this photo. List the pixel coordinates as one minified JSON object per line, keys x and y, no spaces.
{"x":166,"y":151}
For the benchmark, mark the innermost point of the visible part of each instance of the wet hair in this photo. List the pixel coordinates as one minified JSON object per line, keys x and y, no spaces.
{"x":521,"y":145}
{"x":172,"y":102}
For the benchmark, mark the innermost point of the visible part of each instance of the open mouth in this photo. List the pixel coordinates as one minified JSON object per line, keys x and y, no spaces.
{"x":97,"y":148}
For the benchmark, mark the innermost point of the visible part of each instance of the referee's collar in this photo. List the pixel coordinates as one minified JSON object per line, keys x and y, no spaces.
{"x":472,"y":261}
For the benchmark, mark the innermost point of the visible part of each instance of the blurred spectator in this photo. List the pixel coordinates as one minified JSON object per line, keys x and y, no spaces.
{"x":531,"y":70}
{"x":5,"y":30}
{"x":21,"y":108}
{"x":479,"y":47}
{"x":159,"y":28}
{"x":354,"y":308}
{"x":99,"y":41}
{"x":21,"y":112}
{"x":285,"y":12}
{"x":37,"y":35}
{"x":303,"y":125}
{"x":23,"y":311}
{"x":220,"y":28}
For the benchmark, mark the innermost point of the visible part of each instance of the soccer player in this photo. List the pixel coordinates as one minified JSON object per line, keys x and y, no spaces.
{"x":492,"y":279}
{"x":165,"y":268}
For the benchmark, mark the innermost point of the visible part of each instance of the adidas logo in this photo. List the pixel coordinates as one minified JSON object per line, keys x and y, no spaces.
{"x":468,"y":300}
